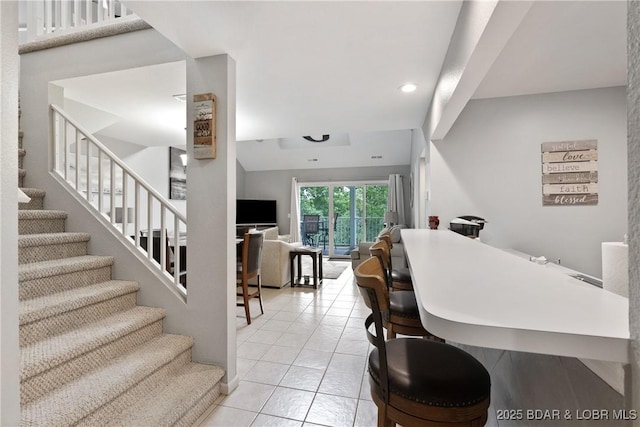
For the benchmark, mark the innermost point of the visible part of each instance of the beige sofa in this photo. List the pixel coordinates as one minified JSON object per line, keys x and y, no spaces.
{"x":275,"y":258}
{"x":398,"y":259}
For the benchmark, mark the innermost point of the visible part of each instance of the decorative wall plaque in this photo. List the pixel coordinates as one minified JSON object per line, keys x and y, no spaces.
{"x":204,"y":126}
{"x":570,"y":173}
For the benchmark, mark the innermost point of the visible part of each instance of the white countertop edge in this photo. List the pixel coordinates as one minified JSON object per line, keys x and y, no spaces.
{"x":558,"y":344}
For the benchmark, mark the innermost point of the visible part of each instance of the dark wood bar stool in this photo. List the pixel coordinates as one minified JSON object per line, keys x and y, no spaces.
{"x":403,"y":316}
{"x":400,"y":276}
{"x":417,"y":382}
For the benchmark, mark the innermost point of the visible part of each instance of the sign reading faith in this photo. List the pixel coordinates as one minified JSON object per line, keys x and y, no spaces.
{"x":570,"y":173}
{"x":204,"y":126}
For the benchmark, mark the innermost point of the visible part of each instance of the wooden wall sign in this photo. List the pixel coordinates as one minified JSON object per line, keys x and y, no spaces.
{"x":570,"y":173}
{"x":204,"y":126}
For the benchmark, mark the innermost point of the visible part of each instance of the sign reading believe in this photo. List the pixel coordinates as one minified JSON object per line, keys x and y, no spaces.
{"x":570,"y":173}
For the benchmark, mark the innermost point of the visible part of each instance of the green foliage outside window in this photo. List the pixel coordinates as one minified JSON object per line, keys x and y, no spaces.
{"x":315,"y":201}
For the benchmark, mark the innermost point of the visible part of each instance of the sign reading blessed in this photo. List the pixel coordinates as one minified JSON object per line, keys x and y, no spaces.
{"x":204,"y":126}
{"x":570,"y":172}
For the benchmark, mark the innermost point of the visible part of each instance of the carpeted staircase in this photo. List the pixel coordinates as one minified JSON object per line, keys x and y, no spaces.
{"x":88,"y":354}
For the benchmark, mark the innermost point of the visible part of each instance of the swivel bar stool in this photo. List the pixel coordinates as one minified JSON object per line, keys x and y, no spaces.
{"x":403,"y":316}
{"x":416,"y":382}
{"x":400,"y":276}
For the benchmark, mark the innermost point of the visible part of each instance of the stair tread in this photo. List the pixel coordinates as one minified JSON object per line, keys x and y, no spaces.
{"x":79,"y":398}
{"x":39,"y":308}
{"x":33,"y":192}
{"x":173,"y":398}
{"x":41,"y":214}
{"x":42,"y":239}
{"x":53,"y":351}
{"x":36,"y":270}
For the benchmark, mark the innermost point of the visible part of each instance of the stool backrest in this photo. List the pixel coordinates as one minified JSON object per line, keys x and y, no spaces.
{"x":385,"y":237}
{"x":370,"y":279}
{"x":380,"y":250}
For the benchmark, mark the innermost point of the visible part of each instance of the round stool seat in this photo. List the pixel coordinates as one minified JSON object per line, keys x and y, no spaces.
{"x":401,"y":274}
{"x":432,"y":373}
{"x":403,"y":304}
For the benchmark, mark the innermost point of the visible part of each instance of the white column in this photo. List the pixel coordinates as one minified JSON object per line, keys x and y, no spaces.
{"x":9,"y":350}
{"x":632,"y":386}
{"x":211,"y":195}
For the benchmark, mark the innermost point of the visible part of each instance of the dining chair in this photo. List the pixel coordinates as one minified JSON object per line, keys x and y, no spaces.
{"x":310,"y":229}
{"x":400,"y":276}
{"x":249,"y":267}
{"x":416,"y":382}
{"x":403,"y":315}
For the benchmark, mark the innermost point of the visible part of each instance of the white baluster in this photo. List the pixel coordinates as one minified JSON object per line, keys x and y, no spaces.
{"x":77,"y":13}
{"x":112,"y":191}
{"x":125,"y":203}
{"x":65,"y":14}
{"x":48,"y":16}
{"x":163,"y":239}
{"x":99,"y":11}
{"x":136,"y":223}
{"x":35,"y":19}
{"x":77,"y":159}
{"x":176,"y":250}
{"x":88,"y":12}
{"x":88,"y":170}
{"x":56,"y":15}
{"x":100,"y":182}
{"x":149,"y":225}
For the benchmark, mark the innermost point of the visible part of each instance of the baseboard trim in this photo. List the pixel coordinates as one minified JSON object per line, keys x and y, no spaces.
{"x":229,"y":386}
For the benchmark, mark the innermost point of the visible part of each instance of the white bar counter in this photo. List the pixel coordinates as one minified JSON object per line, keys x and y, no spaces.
{"x":472,"y":293}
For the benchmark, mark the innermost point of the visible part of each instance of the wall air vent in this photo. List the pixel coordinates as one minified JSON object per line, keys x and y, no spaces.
{"x":312,"y":160}
{"x":376,"y":157}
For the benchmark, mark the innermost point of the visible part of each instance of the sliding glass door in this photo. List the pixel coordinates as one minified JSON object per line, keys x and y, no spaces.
{"x":338,"y":216}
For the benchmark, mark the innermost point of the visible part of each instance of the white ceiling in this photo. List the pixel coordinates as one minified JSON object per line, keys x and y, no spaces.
{"x":312,"y":68}
{"x":562,"y":46}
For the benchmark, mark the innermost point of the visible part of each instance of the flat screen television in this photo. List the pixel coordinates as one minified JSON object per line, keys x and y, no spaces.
{"x":256,"y":212}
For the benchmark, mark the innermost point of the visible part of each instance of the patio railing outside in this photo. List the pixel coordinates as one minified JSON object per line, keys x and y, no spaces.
{"x":344,"y":239}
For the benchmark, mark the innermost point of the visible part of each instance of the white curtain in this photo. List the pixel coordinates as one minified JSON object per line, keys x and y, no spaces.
{"x":395,"y":201}
{"x":294,"y":224}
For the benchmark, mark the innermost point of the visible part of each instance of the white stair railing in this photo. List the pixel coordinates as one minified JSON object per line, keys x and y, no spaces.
{"x":132,"y":207}
{"x":45,"y":17}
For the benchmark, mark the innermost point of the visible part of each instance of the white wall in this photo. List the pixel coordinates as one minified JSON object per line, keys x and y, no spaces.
{"x":489,"y":165}
{"x":9,"y":350}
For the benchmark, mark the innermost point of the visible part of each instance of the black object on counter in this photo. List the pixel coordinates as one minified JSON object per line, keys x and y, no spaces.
{"x":467,"y":225}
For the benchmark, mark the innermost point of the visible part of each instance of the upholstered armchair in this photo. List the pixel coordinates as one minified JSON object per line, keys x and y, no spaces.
{"x":275,"y":258}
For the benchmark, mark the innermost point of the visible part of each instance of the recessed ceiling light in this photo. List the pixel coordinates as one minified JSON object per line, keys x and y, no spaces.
{"x":408,"y":87}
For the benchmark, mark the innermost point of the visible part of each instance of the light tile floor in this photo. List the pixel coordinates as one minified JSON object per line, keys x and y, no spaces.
{"x":302,"y":363}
